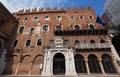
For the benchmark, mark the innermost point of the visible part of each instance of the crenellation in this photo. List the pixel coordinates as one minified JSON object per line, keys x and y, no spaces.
{"x":54,"y":9}
{"x":40,"y":9}
{"x":47,"y":9}
{"x":34,"y":10}
{"x":62,"y":9}
{"x":27,"y":10}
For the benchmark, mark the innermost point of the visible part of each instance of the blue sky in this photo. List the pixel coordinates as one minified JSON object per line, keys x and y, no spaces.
{"x":15,"y":5}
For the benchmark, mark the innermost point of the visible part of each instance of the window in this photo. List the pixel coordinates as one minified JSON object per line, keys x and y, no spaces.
{"x":59,"y":18}
{"x":46,"y":18}
{"x":65,"y":42}
{"x":72,"y":17}
{"x":81,"y":17}
{"x":1,"y":21}
{"x":25,"y":19}
{"x":31,"y":30}
{"x":45,"y":28}
{"x":58,"y":27}
{"x":51,"y":42}
{"x":39,"y":42}
{"x":21,"y":29}
{"x":28,"y":42}
{"x":91,"y":17}
{"x":36,"y":18}
{"x":77,"y":42}
{"x":91,"y":26}
{"x":15,"y":43}
{"x":76,"y":27}
{"x":92,"y":41}
{"x":102,"y":41}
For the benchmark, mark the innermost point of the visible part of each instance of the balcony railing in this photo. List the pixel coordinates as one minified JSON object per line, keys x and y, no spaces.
{"x":80,"y":32}
{"x":93,"y":46}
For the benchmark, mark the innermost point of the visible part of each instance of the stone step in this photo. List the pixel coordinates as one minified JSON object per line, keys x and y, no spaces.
{"x":60,"y":76}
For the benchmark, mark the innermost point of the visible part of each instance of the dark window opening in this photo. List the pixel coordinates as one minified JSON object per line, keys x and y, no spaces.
{"x":28,"y":42}
{"x":65,"y":42}
{"x":51,"y":42}
{"x":39,"y":42}
{"x":25,"y":19}
{"x":45,"y":28}
{"x":77,"y":42}
{"x":59,"y":64}
{"x":102,"y":41}
{"x":32,"y":30}
{"x":58,"y":27}
{"x":36,"y":18}
{"x":15,"y":43}
{"x":91,"y":27}
{"x":76,"y":27}
{"x":94,"y":64}
{"x":108,"y":64}
{"x":21,"y":29}
{"x":92,"y":41}
{"x":80,"y":64}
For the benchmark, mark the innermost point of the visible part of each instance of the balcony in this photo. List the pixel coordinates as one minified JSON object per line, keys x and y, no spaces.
{"x":93,"y":46}
{"x":80,"y":32}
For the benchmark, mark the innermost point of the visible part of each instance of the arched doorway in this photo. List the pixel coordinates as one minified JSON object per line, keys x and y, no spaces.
{"x":94,"y":64}
{"x":116,"y":43}
{"x":59,"y":64}
{"x":107,"y":64}
{"x":80,"y":64}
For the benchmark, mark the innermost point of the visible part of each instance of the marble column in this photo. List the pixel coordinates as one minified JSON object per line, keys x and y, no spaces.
{"x":87,"y":66}
{"x":101,"y":66}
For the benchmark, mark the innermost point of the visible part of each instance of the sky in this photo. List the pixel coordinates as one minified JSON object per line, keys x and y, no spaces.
{"x":15,"y":5}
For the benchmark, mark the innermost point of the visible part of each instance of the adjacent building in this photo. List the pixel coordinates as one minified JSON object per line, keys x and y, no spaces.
{"x":8,"y":25}
{"x":112,"y":14}
{"x":61,"y":42}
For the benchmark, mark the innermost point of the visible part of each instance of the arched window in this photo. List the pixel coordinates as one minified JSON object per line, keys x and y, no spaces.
{"x":65,"y":42}
{"x":39,"y":42}
{"x":94,"y":64}
{"x":28,"y":42}
{"x":45,"y":28}
{"x":51,"y":42}
{"x":25,"y":19}
{"x":76,"y":27}
{"x":102,"y":41}
{"x":91,"y":26}
{"x":15,"y":43}
{"x":80,"y":64}
{"x":21,"y":29}
{"x":72,"y":17}
{"x":82,"y":17}
{"x":31,"y":30}
{"x":108,"y":64}
{"x":46,"y":18}
{"x":36,"y":18}
{"x":58,"y":27}
{"x":59,"y":18}
{"x":92,"y":41}
{"x":77,"y":42}
{"x":91,"y":17}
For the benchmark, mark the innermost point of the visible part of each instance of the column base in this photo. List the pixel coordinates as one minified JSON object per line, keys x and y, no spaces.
{"x":71,"y":74}
{"x":46,"y":74}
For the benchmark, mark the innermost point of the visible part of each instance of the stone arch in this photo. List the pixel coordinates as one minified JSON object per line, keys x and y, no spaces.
{"x":93,"y":63}
{"x":37,"y":64}
{"x":59,"y":64}
{"x":76,"y":27}
{"x":108,"y":64}
{"x":25,"y":65}
{"x":11,"y":65}
{"x":80,"y":64}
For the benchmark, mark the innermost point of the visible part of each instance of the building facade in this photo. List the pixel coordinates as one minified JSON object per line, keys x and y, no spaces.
{"x":61,"y":42}
{"x":8,"y":25}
